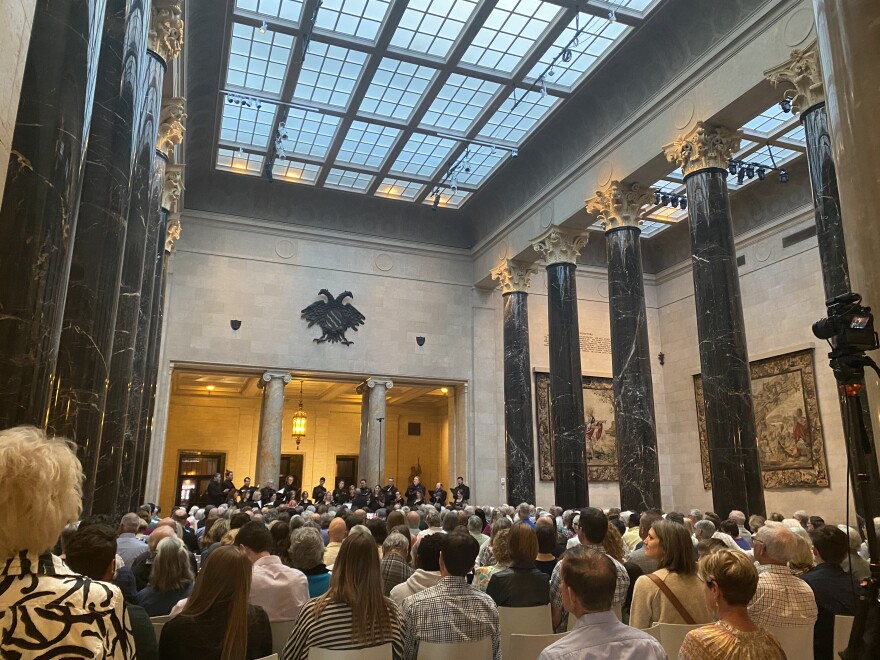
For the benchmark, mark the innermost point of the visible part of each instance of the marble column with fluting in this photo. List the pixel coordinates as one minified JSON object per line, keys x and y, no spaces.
{"x":40,"y":203}
{"x":619,"y":207}
{"x":271,"y":426}
{"x":703,"y":155}
{"x":371,"y":462}
{"x":560,"y":248}
{"x":518,"y":435}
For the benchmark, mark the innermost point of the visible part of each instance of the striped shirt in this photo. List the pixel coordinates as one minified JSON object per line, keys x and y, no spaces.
{"x":332,"y":630}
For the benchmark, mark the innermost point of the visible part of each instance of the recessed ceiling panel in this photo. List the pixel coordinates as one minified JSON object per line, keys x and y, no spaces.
{"x":308,"y":133}
{"x":396,"y":89}
{"x":432,"y":26}
{"x":461,"y":100}
{"x":258,"y":60}
{"x":329,"y":74}
{"x":423,"y":155}
{"x":367,"y":144}
{"x":348,"y":180}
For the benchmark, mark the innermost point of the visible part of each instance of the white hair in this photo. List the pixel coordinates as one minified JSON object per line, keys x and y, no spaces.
{"x":779,"y":541}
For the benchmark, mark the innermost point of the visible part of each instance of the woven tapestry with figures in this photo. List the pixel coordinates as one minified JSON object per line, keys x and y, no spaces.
{"x":790,"y":442}
{"x":601,"y":440}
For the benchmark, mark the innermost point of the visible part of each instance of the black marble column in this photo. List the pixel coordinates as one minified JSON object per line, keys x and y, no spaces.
{"x":730,"y":419}
{"x":631,"y":365}
{"x":566,"y":388}
{"x":518,"y":436}
{"x":84,"y":353}
{"x":40,"y":202}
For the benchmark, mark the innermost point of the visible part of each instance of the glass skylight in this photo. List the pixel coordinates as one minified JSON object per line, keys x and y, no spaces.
{"x":258,"y":60}
{"x":244,"y":125}
{"x":509,"y":32}
{"x":449,"y":199}
{"x":664,"y":212}
{"x":329,"y":74}
{"x":796,"y":135}
{"x":399,"y":189}
{"x":295,"y":171}
{"x":240,"y":162}
{"x":781,"y":156}
{"x":482,"y":162}
{"x":431,"y":26}
{"x":288,"y":10}
{"x":768,"y":121}
{"x":367,"y":144}
{"x":396,"y":89}
{"x":423,"y":155}
{"x":512,"y":124}
{"x":348,"y":180}
{"x":635,"y":5}
{"x":650,"y":228}
{"x":356,"y":18}
{"x":459,"y":103}
{"x":308,"y":133}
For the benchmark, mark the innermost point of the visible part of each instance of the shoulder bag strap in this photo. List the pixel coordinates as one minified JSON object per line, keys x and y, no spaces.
{"x":672,"y":599}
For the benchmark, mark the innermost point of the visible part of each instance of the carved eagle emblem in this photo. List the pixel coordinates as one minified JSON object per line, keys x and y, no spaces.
{"x":334,"y":317}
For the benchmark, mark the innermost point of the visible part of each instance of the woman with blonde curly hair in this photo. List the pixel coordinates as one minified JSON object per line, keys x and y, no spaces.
{"x":501,"y":553}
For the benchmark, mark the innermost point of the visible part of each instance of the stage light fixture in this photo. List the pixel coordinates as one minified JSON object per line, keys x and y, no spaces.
{"x":785,"y":104}
{"x":783,"y":176}
{"x":683,"y":203}
{"x":761,"y":173}
{"x":263,"y":28}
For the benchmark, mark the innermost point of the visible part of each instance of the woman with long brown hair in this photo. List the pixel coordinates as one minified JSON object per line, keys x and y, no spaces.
{"x":353,"y":614}
{"x":217,"y":623}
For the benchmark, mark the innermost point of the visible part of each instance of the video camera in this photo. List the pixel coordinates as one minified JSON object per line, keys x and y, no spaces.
{"x":849,"y":325}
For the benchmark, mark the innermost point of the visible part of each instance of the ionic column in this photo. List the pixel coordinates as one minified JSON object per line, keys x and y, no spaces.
{"x":518,"y":436}
{"x":703,"y":155}
{"x":371,"y":462}
{"x":271,"y":426}
{"x":619,"y":207}
{"x":560,"y":248}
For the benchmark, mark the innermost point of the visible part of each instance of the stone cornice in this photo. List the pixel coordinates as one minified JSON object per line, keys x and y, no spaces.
{"x":173,"y":188}
{"x":560,"y":245}
{"x":705,"y":147}
{"x":619,"y":204}
{"x":804,"y":71}
{"x":166,"y":29}
{"x":513,"y":276}
{"x":171,"y":128}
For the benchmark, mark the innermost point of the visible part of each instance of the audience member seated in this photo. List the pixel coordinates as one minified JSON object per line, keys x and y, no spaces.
{"x":336,"y":532}
{"x":836,"y":591}
{"x":451,"y":611}
{"x":631,"y":536}
{"x":730,"y":528}
{"x":853,"y":562}
{"x":47,"y":609}
{"x":215,"y":531}
{"x":188,"y":535}
{"x":744,"y":534}
{"x":432,"y":519}
{"x":802,"y":560}
{"x":708,"y":546}
{"x":143,"y":565}
{"x":521,"y":584}
{"x":546,"y":536}
{"x":280,"y":532}
{"x":129,"y":546}
{"x":486,"y":557}
{"x":501,"y":554}
{"x":781,"y":599}
{"x":637,"y":556}
{"x":171,"y":578}
{"x":703,"y":529}
{"x":731,"y":581}
{"x":394,"y":567}
{"x":588,"y":582}
{"x":217,"y":622}
{"x":475,"y":528}
{"x":427,"y":569}
{"x":307,"y":555}
{"x":353,"y":614}
{"x":673,"y":593}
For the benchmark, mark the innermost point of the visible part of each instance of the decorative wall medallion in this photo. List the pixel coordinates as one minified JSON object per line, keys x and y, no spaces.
{"x":684,"y":113}
{"x":790,"y":443}
{"x":384,"y":262}
{"x":285,"y":248}
{"x":547,"y":215}
{"x":601,"y":437}
{"x":798,"y":27}
{"x":763,"y":253}
{"x":334,"y":317}
{"x":603,"y":173}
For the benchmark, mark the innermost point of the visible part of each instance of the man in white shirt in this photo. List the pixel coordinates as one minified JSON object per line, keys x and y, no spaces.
{"x":278,"y":589}
{"x":428,"y":573}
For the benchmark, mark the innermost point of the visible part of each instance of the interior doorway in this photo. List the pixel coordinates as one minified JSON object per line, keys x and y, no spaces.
{"x":291,"y":464}
{"x":346,"y":469}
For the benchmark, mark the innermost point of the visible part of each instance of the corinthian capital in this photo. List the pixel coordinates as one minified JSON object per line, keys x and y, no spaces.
{"x":172,"y":232}
{"x":804,"y":71}
{"x":166,"y":29}
{"x":173,"y":188}
{"x":619,"y":204}
{"x":703,"y":148}
{"x":560,"y":246}
{"x":171,"y":128}
{"x":513,"y":276}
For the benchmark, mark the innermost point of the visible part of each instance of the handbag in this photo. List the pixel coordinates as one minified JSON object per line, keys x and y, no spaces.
{"x":672,"y":599}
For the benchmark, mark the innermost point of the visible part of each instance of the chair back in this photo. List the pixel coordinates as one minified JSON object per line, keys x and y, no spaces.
{"x":383,"y":652}
{"x":158,"y":622}
{"x":274,"y":656}
{"x":671,"y":635}
{"x":529,"y":647}
{"x":280,"y":632}
{"x":842,"y":628}
{"x":796,"y":641}
{"x":524,"y":621}
{"x":480,"y":649}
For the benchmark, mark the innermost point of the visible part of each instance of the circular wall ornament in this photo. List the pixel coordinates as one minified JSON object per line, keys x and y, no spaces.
{"x":798,"y":27}
{"x":603,"y":173}
{"x":384,"y":262}
{"x":547,"y":215}
{"x":602,"y":291}
{"x":684,"y":113}
{"x":763,"y":253}
{"x":285,"y":248}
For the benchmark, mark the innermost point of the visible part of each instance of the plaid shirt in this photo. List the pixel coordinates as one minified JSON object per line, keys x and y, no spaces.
{"x":395,"y":571}
{"x":782,"y":600}
{"x":452,"y":611}
{"x":556,"y":579}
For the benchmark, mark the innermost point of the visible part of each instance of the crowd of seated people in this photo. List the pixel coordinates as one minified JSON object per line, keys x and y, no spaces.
{"x":347,"y":577}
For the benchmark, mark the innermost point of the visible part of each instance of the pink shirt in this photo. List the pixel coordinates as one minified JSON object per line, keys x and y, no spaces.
{"x":278,"y":589}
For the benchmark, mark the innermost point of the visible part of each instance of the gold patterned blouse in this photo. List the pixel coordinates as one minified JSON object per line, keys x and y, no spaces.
{"x":722,"y":641}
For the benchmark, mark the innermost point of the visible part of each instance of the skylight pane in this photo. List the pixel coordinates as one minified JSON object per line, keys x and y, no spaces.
{"x":509,"y":32}
{"x":597,"y":35}
{"x":295,"y":171}
{"x":635,"y":5}
{"x":367,"y":144}
{"x":482,"y":162}
{"x":513,"y":124}
{"x":461,"y":100}
{"x":348,"y":180}
{"x":399,"y":189}
{"x":240,"y":162}
{"x":423,"y":155}
{"x":258,"y":60}
{"x":797,"y":135}
{"x":308,"y":133}
{"x":396,"y":89}
{"x":768,"y":121}
{"x":355,"y":18}
{"x":449,"y":199}
{"x":329,"y":74}
{"x":247,"y":125}
{"x":431,"y":26}
{"x":665,"y":212}
{"x":650,"y":228}
{"x":781,"y":156}
{"x":288,"y":10}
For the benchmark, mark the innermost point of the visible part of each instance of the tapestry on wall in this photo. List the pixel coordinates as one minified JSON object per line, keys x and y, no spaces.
{"x":601,"y":440}
{"x":790,"y":443}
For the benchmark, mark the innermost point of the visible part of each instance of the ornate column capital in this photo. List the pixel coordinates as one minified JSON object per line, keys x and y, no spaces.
{"x":372,"y":382}
{"x":171,"y":128}
{"x":559,"y":245}
{"x":173,"y":188}
{"x":268,"y":376}
{"x":803,"y":70}
{"x":513,"y":276}
{"x":619,"y":204}
{"x":172,"y":231}
{"x":703,"y":148}
{"x":166,"y":29}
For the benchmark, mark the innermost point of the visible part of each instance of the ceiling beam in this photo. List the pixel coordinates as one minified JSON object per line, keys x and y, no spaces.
{"x":603,"y":9}
{"x":410,"y":394}
{"x":335,"y":390}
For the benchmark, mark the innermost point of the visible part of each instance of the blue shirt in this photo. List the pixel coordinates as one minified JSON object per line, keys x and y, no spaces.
{"x":836,"y":592}
{"x":600,"y":636}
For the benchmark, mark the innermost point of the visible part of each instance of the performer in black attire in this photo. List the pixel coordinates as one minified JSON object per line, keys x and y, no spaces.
{"x":304,"y":500}
{"x":377,"y":499}
{"x":340,"y":493}
{"x":465,"y":491}
{"x":319,"y":490}
{"x":439,"y":495}
{"x":247,"y":488}
{"x":215,"y":491}
{"x":228,"y":486}
{"x":289,"y":491}
{"x":266,"y":493}
{"x":362,"y":496}
{"x":392,"y":495}
{"x":415,"y":493}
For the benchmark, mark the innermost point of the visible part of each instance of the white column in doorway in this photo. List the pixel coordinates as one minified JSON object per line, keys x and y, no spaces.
{"x":373,"y":418}
{"x":271,"y":426}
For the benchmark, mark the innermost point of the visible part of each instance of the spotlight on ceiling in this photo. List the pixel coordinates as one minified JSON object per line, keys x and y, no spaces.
{"x":741,"y":176}
{"x":263,"y":28}
{"x":683,"y":203}
{"x":436,"y":201}
{"x":783,"y":176}
{"x":657,"y":197}
{"x":732,"y":167}
{"x":761,"y":173}
{"x":514,"y":153}
{"x":785,"y":104}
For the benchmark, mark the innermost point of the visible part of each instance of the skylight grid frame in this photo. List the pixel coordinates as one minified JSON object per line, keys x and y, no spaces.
{"x":355,"y":18}
{"x":513,"y":124}
{"x":431,"y":26}
{"x":286,"y":10}
{"x":482,"y":162}
{"x":329,"y":74}
{"x":294,"y":171}
{"x":423,"y":155}
{"x":240,"y":162}
{"x":397,"y":89}
{"x":308,"y":133}
{"x":768,"y":122}
{"x":258,"y":61}
{"x":400,"y":189}
{"x":449,"y":199}
{"x":249,"y":126}
{"x":367,"y":144}
{"x":459,"y":103}
{"x":347,"y":180}
{"x":797,"y":135}
{"x":781,"y":156}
